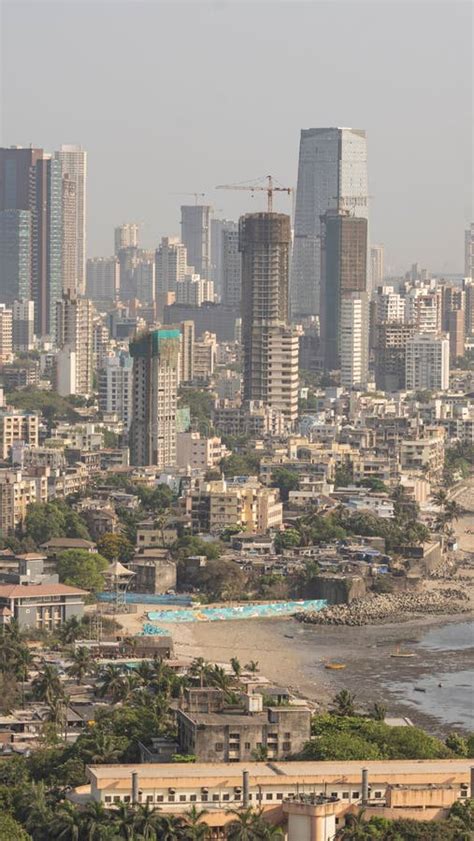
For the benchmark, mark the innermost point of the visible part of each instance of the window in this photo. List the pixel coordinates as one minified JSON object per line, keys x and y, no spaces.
{"x":286,"y":746}
{"x":287,"y":736}
{"x":192,"y":798}
{"x":247,"y":746}
{"x":171,"y":798}
{"x":116,"y":798}
{"x":108,"y":798}
{"x":182,"y":798}
{"x":219,"y":746}
{"x":215,"y":797}
{"x":149,"y":798}
{"x":159,"y":798}
{"x":204,"y":798}
{"x":345,"y":795}
{"x":269,"y":796}
{"x":226,"y":796}
{"x":126,"y":799}
{"x":334,"y":794}
{"x":377,"y":794}
{"x":355,"y":795}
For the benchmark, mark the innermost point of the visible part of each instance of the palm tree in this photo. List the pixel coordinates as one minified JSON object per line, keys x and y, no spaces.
{"x":252,"y":666}
{"x":440,"y":498}
{"x":260,"y":754}
{"x":196,"y":830}
{"x":246,"y":825}
{"x":146,"y":672}
{"x":236,"y":667}
{"x":103,"y":749}
{"x":170,"y":828}
{"x":147,"y":821}
{"x":94,"y":817}
{"x":70,"y":630}
{"x":126,"y":688}
{"x":24,"y":662}
{"x":201,"y":669}
{"x":452,"y":510}
{"x":219,"y":678}
{"x":344,"y":702}
{"x":82,"y":664}
{"x":110,"y":680}
{"x":354,"y":830}
{"x":67,"y":822}
{"x":35,"y":810}
{"x":125,"y":821}
{"x":47,"y":685}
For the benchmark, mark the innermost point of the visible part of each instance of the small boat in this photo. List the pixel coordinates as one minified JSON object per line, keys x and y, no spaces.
{"x":335,"y":666}
{"x":288,"y":636}
{"x":399,"y":653}
{"x":419,"y":689}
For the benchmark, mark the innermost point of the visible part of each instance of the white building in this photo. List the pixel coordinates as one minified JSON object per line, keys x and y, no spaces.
{"x":423,"y":308}
{"x":74,"y":165}
{"x":197,"y":452}
{"x":115,"y":386}
{"x":469,"y":252}
{"x":427,"y":362}
{"x":6,"y":334}
{"x":193,"y":290}
{"x":75,"y":331}
{"x":126,"y":236}
{"x":204,"y":358}
{"x":354,"y":339}
{"x":65,"y":372}
{"x":389,"y":305}
{"x":332,"y":173}
{"x":170,"y":264}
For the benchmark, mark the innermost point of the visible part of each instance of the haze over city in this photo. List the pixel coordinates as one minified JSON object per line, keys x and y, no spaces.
{"x":175,"y":98}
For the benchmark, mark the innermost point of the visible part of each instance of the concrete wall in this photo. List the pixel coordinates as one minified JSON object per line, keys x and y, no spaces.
{"x":336,"y":590}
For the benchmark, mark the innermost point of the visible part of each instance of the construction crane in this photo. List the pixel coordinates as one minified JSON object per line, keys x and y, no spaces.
{"x":196,"y":196}
{"x":269,"y":188}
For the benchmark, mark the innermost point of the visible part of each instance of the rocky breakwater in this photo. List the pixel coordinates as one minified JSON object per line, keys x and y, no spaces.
{"x":374,"y":610}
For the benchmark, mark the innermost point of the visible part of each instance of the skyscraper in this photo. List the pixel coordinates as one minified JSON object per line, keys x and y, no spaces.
{"x":270,"y":347}
{"x":75,"y":333}
{"x":231,"y":269}
{"x":103,"y":278}
{"x":218,"y":230}
{"x":116,"y":385}
{"x":196,"y":236}
{"x":23,"y":325}
{"x":126,"y":236}
{"x":354,"y":339}
{"x":47,"y":242}
{"x":332,"y":173}
{"x":69,"y":242}
{"x":427,"y":362}
{"x":344,"y":272}
{"x":377,"y":268}
{"x":15,"y":254}
{"x":469,"y":252}
{"x":156,"y":356}
{"x":6,"y":334}
{"x":170,"y":264}
{"x":73,"y":161}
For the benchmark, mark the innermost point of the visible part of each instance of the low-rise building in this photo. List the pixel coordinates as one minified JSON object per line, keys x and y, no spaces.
{"x":15,"y":426}
{"x":43,"y":607}
{"x":199,"y":452}
{"x":241,"y":502}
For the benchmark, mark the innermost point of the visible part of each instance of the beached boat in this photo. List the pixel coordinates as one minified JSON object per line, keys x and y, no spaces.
{"x":399,"y":653}
{"x":335,"y":666}
{"x":419,"y":689}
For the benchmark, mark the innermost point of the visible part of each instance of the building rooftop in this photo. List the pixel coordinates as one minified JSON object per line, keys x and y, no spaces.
{"x":13,"y":591}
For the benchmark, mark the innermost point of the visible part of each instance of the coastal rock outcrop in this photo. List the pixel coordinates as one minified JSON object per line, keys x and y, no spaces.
{"x":374,"y":609}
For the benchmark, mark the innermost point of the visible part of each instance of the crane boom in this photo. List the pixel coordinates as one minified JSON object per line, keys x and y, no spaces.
{"x":269,"y":189}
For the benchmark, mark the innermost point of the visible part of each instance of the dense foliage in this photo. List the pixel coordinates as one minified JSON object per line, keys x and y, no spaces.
{"x":45,"y":520}
{"x":80,"y":568}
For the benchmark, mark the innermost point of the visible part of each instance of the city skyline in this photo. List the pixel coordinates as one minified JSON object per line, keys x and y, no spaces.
{"x":395,"y":107}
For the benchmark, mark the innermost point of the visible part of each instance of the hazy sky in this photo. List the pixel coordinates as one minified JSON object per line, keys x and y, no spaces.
{"x":181,"y":96}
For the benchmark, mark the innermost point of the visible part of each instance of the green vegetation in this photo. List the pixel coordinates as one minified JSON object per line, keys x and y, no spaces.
{"x":458,"y":462}
{"x":348,"y":736}
{"x":457,"y":827}
{"x":241,"y":464}
{"x":47,"y":403}
{"x":200,"y":404}
{"x":115,"y":547}
{"x":45,"y":520}
{"x":286,"y":480}
{"x":83,"y":569}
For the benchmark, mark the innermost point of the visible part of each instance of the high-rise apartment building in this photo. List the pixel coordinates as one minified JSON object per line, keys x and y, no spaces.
{"x":427,"y":362}
{"x":204,"y":359}
{"x":155,"y":383}
{"x":73,"y":161}
{"x":231,"y":269}
{"x":389,"y":305}
{"x":468,"y":287}
{"x":218,"y":230}
{"x":116,"y":386}
{"x":270,"y":348}
{"x":126,"y":236}
{"x":196,"y":236}
{"x":344,"y":272}
{"x":332,"y":173}
{"x":186,"y":359}
{"x":32,"y":181}
{"x":15,"y":254}
{"x":469,"y":252}
{"x":457,"y":334}
{"x":103,"y":279}
{"x":144,"y":279}
{"x":423,"y":308}
{"x":170,"y":264}
{"x":6,"y":334}
{"x":377,"y":267}
{"x":194,"y":290}
{"x":69,"y":244}
{"x":390,"y":354}
{"x":75,"y":332}
{"x":354,"y":343}
{"x":23,"y":325}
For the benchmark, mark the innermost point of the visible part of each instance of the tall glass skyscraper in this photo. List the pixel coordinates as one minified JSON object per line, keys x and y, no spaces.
{"x":332,"y":174}
{"x":15,"y":255}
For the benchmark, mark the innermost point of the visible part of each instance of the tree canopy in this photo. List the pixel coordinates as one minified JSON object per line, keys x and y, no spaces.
{"x":80,"y":568}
